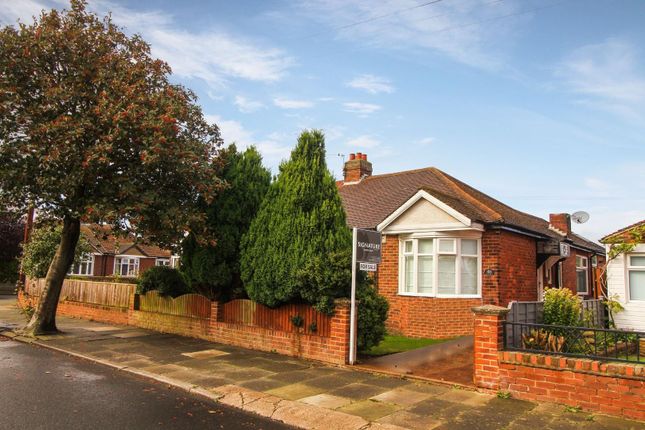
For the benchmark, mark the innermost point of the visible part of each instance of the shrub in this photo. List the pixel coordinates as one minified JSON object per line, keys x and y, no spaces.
{"x":166,"y":280}
{"x":330,"y":276}
{"x":301,"y":218}
{"x":372,"y":313}
{"x":39,"y":252}
{"x":9,"y":271}
{"x":214,"y":270}
{"x":561,"y":307}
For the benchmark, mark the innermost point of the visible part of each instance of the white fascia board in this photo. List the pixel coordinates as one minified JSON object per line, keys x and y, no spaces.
{"x":421,"y":194}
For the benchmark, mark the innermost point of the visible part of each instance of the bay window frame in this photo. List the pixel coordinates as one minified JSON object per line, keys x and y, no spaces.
{"x":457,"y":253}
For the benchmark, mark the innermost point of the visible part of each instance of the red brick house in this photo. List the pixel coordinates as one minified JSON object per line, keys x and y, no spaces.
{"x":120,"y":256}
{"x":448,"y":247}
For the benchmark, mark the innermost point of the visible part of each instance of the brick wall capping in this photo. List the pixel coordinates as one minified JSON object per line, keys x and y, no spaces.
{"x":490,"y":310}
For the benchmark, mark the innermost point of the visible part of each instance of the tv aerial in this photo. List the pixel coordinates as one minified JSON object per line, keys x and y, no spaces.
{"x":580,"y":217}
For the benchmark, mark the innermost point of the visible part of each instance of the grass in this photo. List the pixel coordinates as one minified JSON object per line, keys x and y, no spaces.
{"x":393,"y":344}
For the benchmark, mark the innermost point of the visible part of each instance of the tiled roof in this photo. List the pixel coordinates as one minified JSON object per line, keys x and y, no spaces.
{"x":102,"y":239}
{"x":368,"y":202}
{"x":624,"y":230}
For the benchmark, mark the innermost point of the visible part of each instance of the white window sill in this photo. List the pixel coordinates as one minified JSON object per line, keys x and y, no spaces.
{"x":442,"y":296}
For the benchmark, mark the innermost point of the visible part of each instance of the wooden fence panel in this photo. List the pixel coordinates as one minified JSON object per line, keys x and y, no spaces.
{"x":247,"y":312}
{"x":97,"y":293}
{"x":188,"y":305}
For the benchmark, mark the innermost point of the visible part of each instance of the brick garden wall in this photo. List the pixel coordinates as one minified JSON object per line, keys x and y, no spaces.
{"x":331,"y":348}
{"x":612,"y":388}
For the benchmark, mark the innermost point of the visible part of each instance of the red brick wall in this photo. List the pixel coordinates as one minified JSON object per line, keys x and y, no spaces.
{"x":569,"y":277}
{"x":331,"y":349}
{"x":146,"y":263}
{"x":616,"y":389}
{"x":103,"y":265}
{"x":612,"y":388}
{"x":518,"y":259}
{"x":491,"y":263}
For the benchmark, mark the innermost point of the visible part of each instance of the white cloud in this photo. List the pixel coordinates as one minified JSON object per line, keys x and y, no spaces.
{"x":606,"y":76}
{"x":427,"y":141}
{"x":460,"y":30}
{"x":246,"y":105}
{"x":292,"y":104}
{"x":596,"y":184}
{"x":272,"y":148}
{"x":361,"y":108}
{"x":372,"y":84}
{"x":364,"y":141}
{"x":211,"y":55}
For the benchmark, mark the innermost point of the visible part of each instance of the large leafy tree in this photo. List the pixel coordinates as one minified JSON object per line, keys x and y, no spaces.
{"x":214,"y":270}
{"x":92,"y":129}
{"x":301,"y":219}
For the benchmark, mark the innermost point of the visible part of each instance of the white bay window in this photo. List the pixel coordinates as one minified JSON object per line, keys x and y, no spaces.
{"x":126,"y":266}
{"x":441,"y":267}
{"x":84,"y":267}
{"x":636,"y":276}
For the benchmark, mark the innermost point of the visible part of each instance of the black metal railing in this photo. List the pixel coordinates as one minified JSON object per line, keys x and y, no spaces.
{"x":586,"y":342}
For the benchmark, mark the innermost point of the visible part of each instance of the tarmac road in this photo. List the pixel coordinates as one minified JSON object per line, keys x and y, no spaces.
{"x":43,"y":389}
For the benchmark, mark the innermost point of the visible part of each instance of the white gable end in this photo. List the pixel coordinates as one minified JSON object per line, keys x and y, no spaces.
{"x":424,"y":212}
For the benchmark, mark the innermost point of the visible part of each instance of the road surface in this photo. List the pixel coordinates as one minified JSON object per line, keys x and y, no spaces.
{"x":43,"y":389}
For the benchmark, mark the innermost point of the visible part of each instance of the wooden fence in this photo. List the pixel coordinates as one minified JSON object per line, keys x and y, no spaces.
{"x":188,"y":305}
{"x":97,"y":293}
{"x":247,"y":312}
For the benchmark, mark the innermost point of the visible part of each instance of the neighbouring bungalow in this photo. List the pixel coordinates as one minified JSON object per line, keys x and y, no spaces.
{"x":448,"y":247}
{"x":118,"y":256}
{"x":626,"y":277}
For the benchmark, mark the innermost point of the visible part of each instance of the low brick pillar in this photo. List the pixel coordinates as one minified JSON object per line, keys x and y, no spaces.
{"x":488,"y":340}
{"x":339,"y":332}
{"x":216,"y":311}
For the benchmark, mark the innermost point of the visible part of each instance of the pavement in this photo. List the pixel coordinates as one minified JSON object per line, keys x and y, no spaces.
{"x":49,"y":390}
{"x":301,"y":393}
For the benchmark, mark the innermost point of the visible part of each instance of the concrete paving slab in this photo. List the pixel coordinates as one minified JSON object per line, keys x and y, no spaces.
{"x":131,"y":334}
{"x":206,"y":353}
{"x":295,"y":391}
{"x":357,"y":391}
{"x":464,"y":397}
{"x":408,"y":420}
{"x":105,"y":328}
{"x":437,"y":408}
{"x":262,"y":384}
{"x":369,"y":409}
{"x":326,"y":401}
{"x":429,"y":388}
{"x":401,"y":396}
{"x":244,"y":374}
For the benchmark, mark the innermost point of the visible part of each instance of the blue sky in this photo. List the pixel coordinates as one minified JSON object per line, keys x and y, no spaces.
{"x":539,"y":103}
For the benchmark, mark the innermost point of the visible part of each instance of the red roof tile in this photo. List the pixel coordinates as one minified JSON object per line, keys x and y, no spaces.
{"x":102,"y":239}
{"x":370,"y":201}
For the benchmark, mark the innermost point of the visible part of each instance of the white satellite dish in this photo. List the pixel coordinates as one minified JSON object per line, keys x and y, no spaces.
{"x":580,"y":217}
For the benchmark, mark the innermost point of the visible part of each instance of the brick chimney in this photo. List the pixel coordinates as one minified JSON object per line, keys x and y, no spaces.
{"x":357,"y":167}
{"x":561,"y":222}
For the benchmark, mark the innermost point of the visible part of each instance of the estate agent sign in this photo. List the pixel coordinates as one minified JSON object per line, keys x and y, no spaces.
{"x":368,"y":246}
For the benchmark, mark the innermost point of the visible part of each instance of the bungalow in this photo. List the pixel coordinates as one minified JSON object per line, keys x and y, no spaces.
{"x":448,"y":247}
{"x":118,"y":256}
{"x":626,"y":275}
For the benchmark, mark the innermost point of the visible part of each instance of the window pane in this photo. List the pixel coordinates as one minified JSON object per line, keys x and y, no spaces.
{"x":425,"y":276}
{"x":582,"y":281}
{"x":636,"y":261}
{"x":469,"y":247}
{"x":447,"y":245}
{"x":636,"y":285}
{"x":409,"y":274}
{"x":425,"y":246}
{"x":446,"y":274}
{"x":469,"y":275}
{"x":408,"y":246}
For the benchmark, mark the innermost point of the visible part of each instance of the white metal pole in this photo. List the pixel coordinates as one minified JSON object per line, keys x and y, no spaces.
{"x":352,"y":314}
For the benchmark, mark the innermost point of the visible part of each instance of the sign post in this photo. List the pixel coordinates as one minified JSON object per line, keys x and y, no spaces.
{"x":366,"y":250}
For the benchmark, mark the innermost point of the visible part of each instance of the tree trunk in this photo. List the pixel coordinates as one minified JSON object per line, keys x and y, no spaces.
{"x":44,"y":319}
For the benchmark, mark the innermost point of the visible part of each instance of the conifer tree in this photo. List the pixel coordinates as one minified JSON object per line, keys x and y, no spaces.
{"x":301,"y":218}
{"x":214,"y":270}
